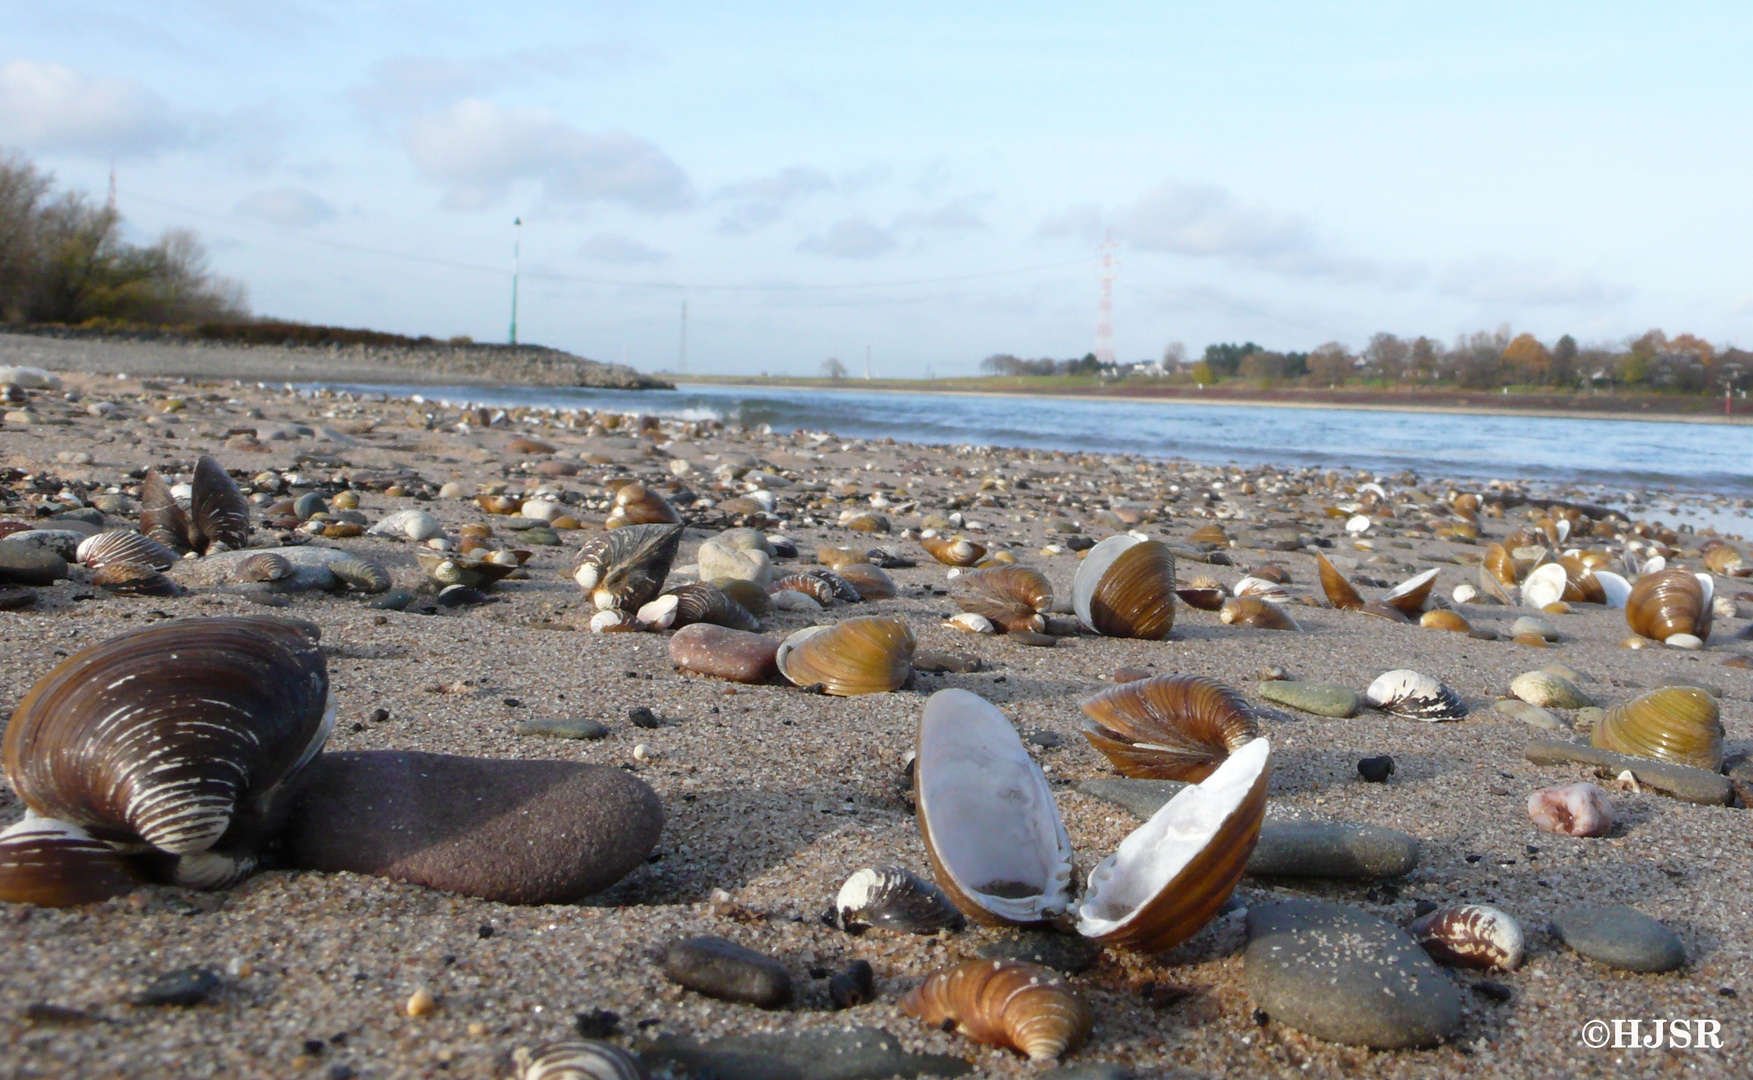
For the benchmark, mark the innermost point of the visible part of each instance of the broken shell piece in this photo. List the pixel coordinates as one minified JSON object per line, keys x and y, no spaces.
{"x":892,"y":898}
{"x":1572,"y":810}
{"x":1471,"y":936}
{"x":1023,"y":1007}
{"x":1414,"y":695}
{"x":1170,"y":727}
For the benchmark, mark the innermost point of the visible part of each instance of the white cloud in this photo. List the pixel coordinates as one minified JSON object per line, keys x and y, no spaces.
{"x":620,"y":250}
{"x":53,"y":107}
{"x":291,"y":207}
{"x":763,"y":200}
{"x":1084,"y":223}
{"x":477,"y":151}
{"x":1501,"y":281}
{"x":404,"y":85}
{"x":849,"y":238}
{"x":956,"y":215}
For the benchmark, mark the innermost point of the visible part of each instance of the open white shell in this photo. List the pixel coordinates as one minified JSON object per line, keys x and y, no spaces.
{"x":1545,"y":585}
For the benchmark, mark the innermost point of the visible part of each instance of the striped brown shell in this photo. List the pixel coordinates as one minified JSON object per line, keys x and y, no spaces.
{"x":264,"y":567}
{"x":1125,"y":588}
{"x":636,"y":504}
{"x":1023,"y":1007}
{"x":1203,"y":592}
{"x":134,"y":579}
{"x":625,"y":568}
{"x":1670,"y":602}
{"x":178,"y":736}
{"x":1341,"y":593}
{"x":125,"y":546}
{"x":1012,"y":597}
{"x":872,"y":654}
{"x":870,"y":581}
{"x":810,"y":585}
{"x":53,"y":863}
{"x":698,"y":602}
{"x":1681,"y":724}
{"x":1257,"y":613}
{"x":218,"y":518}
{"x":1170,"y":727}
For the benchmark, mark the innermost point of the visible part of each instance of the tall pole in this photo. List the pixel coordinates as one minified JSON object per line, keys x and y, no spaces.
{"x":516,"y":266}
{"x":682,"y":363}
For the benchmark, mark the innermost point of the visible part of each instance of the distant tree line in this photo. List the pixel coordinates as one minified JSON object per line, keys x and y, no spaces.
{"x":63,"y":260}
{"x":1006,"y":364}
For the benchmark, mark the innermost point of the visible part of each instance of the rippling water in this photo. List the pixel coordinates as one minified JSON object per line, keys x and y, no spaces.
{"x":1613,"y":457}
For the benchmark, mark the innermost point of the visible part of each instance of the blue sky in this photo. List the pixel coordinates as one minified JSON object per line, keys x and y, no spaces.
{"x":818,"y":178}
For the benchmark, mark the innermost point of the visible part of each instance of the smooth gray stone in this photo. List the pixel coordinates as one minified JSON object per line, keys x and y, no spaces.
{"x":1069,"y":953}
{"x":541,"y":536}
{"x":62,"y":543}
{"x":850,"y":1053}
{"x":1681,"y":782}
{"x":22,"y":564}
{"x":1620,"y":937}
{"x":579,"y":727}
{"x":1532,"y":715}
{"x":1344,"y":975}
{"x":394,"y":600}
{"x":1140,"y":798}
{"x":1321,"y":699}
{"x":1336,"y":850}
{"x":725,"y":970}
{"x":310,"y":569}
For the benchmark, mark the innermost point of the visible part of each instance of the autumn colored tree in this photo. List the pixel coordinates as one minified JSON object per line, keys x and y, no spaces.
{"x":1528,"y":360}
{"x":1265,"y":366}
{"x":1331,"y":365}
{"x":1386,"y":356}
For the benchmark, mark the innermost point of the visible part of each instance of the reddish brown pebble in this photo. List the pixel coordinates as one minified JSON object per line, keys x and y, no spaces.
{"x":1572,"y":810}
{"x":738,"y":655}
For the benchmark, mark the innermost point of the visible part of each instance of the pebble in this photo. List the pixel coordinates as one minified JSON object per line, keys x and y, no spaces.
{"x":737,"y":655}
{"x":1333,"y":850}
{"x":1532,"y":715}
{"x":517,"y":832}
{"x":853,"y":987}
{"x":1376,"y":770}
{"x":1100,"y":1070}
{"x":1321,"y":699}
{"x":1676,"y":781}
{"x":1068,"y":953}
{"x":16,"y":599}
{"x":641,"y":717}
{"x":847,"y":1053}
{"x":1343,"y":975}
{"x":576,"y":727}
{"x":720,"y":561}
{"x":1620,"y":937}
{"x":540,"y":536}
{"x":727,"y":971}
{"x":185,"y":986}
{"x":455,"y":596}
{"x":936,"y":660}
{"x":1529,"y":624}
{"x":394,"y":600}
{"x":1043,"y":737}
{"x":22,"y":563}
{"x":420,"y":1003}
{"x":1141,"y":798}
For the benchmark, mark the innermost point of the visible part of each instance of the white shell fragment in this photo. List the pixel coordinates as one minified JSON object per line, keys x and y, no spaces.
{"x":1545,"y":585}
{"x":415,"y":525}
{"x":1415,"y":696}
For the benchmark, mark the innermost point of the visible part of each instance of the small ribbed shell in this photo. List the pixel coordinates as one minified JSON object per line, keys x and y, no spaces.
{"x":626,"y":567}
{"x":264,"y":567}
{"x":1471,"y":936}
{"x":698,"y":602}
{"x":1444,"y":619}
{"x":872,"y":654}
{"x":134,"y":579}
{"x":1170,"y":727}
{"x":1022,"y":1007}
{"x":1341,"y":593}
{"x":174,"y":736}
{"x":1502,"y":566}
{"x":1681,"y":724}
{"x":957,"y":551}
{"x":1410,"y":595}
{"x":1671,"y":602}
{"x":361,"y":575}
{"x":577,"y":1059}
{"x":1011,"y":597}
{"x":893,"y":898}
{"x":125,"y":546}
{"x":1270,"y":591}
{"x":1125,"y":588}
{"x":810,"y":585}
{"x":415,"y":525}
{"x":868,"y":580}
{"x":636,"y":504}
{"x":1414,"y":695}
{"x":53,"y":863}
{"x":1203,"y":592}
{"x":1255,"y":612}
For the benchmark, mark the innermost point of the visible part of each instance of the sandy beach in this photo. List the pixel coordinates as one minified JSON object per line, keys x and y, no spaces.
{"x":772,"y":796}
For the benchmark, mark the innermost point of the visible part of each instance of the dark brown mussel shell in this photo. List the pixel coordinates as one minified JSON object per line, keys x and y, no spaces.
{"x":1012,"y":597}
{"x":626,"y":567}
{"x":1171,"y":727}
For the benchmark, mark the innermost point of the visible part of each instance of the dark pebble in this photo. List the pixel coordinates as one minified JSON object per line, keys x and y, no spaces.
{"x":1029,"y":637}
{"x":1062,"y":952}
{"x":1423,"y":908}
{"x":22,"y":564}
{"x":341,"y":1072}
{"x":16,"y":599}
{"x":378,"y":716}
{"x":727,"y":971}
{"x":854,"y":986}
{"x":1079,"y":543}
{"x":394,"y":600}
{"x":563,"y":728}
{"x":1620,"y":937}
{"x":484,"y":931}
{"x":1044,"y":737}
{"x":461,"y":596}
{"x":1376,"y":770}
{"x":849,"y":1053}
{"x":596,"y":1024}
{"x":642,"y":717}
{"x":186,"y":986}
{"x":1493,"y":991}
{"x":313,"y":1047}
{"x":1100,"y":1070}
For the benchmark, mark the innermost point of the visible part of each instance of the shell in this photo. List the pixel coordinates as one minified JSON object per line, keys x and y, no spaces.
{"x":53,"y":863}
{"x":1581,"y":584}
{"x":125,"y":546}
{"x":869,"y":581}
{"x":842,"y":589}
{"x":1011,"y":597}
{"x":180,"y":737}
{"x":1410,"y":595}
{"x":1173,"y":874}
{"x":1270,"y":591}
{"x":971,"y":622}
{"x":1546,"y":584}
{"x":1502,"y":566}
{"x":991,"y":829}
{"x":872,"y":654}
{"x":1681,"y":724}
{"x":1444,"y":619}
{"x":751,"y":596}
{"x":217,"y":509}
{"x":636,"y":504}
{"x":134,"y":579}
{"x":696,"y":602}
{"x":415,"y":525}
{"x":499,"y":504}
{"x":1572,"y":810}
{"x":1381,"y":609}
{"x":1125,"y":588}
{"x":1210,"y":533}
{"x":1341,"y":593}
{"x":625,"y":568}
{"x":161,"y":517}
{"x":835,"y":558}
{"x":469,"y":570}
{"x":892,"y":898}
{"x":1204,"y":593}
{"x":1273,"y":572}
{"x":266,"y":566}
{"x":957,"y":552}
{"x":1023,"y":1007}
{"x":1171,"y":727}
{"x":1415,"y":696}
{"x":811,"y":586}
{"x":361,"y":575}
{"x":1615,"y":589}
{"x":1725,"y":559}
{"x":1257,"y":613}
{"x":1471,"y":936}
{"x":1548,"y":691}
{"x":577,"y":1059}
{"x":1671,"y":602}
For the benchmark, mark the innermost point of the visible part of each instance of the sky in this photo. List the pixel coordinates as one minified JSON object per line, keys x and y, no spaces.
{"x":927,"y":184}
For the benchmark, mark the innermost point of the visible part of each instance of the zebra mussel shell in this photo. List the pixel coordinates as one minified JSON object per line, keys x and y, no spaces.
{"x":1022,"y":1007}
{"x":134,"y":579}
{"x":1010,"y":597}
{"x":577,"y":1059}
{"x":53,"y":863}
{"x":266,"y":567}
{"x":625,"y":568}
{"x":695,"y":602}
{"x":893,"y":898}
{"x":1270,"y":591}
{"x":1681,"y":724}
{"x":1257,"y":613}
{"x":361,"y":575}
{"x":1471,"y":936}
{"x":1671,"y":602}
{"x":124,"y":546}
{"x":872,"y":654}
{"x":179,"y":737}
{"x":218,"y":518}
{"x":959,"y":551}
{"x":636,"y":504}
{"x":1415,"y":696}
{"x":1171,"y":727}
{"x":1125,"y":587}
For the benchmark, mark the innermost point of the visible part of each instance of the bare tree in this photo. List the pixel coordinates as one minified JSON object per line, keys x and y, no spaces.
{"x":1331,"y":365}
{"x":1386,"y":357}
{"x":832,"y":368}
